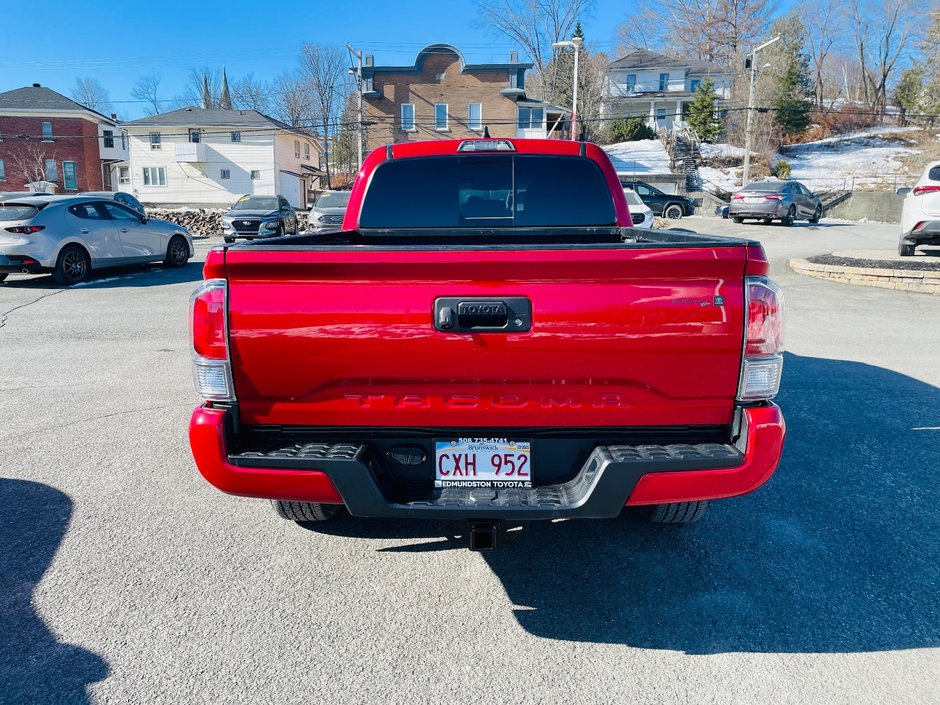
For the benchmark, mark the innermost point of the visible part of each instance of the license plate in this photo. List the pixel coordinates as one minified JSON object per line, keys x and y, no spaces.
{"x":753,"y":199}
{"x":482,"y":462}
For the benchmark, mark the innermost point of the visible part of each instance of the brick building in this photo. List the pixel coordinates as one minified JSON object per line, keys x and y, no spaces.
{"x":443,"y":97}
{"x":53,"y":143}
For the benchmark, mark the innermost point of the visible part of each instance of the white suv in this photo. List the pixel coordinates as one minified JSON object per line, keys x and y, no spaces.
{"x":920,"y":213}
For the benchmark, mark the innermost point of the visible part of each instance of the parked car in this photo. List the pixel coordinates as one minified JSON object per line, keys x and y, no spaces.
{"x":327,"y":213}
{"x":491,"y":351}
{"x":640,"y":213}
{"x":9,"y":195}
{"x":668,"y":205}
{"x":121,"y":197}
{"x":259,"y":216}
{"x":786,"y":201}
{"x":920,"y":212}
{"x":71,"y":236}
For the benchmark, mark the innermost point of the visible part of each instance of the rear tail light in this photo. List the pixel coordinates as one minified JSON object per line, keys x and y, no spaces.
{"x":762,"y":365}
{"x":212,"y":371}
{"x":26,"y":229}
{"x":920,"y":225}
{"x":737,"y":197}
{"x":920,"y":190}
{"x":772,"y":198}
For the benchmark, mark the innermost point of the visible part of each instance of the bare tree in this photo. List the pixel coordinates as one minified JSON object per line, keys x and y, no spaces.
{"x":31,"y":161}
{"x":90,"y":93}
{"x":819,"y":38}
{"x":292,"y":99}
{"x":535,"y":25}
{"x":249,"y":94}
{"x":203,"y":88}
{"x":325,"y":69}
{"x":147,"y":90}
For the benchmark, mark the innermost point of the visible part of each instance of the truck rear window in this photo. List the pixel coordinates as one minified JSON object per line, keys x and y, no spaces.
{"x":483,"y":191}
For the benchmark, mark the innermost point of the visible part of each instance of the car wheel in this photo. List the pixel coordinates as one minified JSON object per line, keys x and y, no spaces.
{"x":817,"y":214}
{"x":177,"y":252}
{"x":3,"y":276}
{"x":229,"y":240}
{"x":678,"y":513}
{"x":672,"y":211}
{"x":306,"y":511}
{"x":789,"y":218}
{"x":72,"y":267}
{"x":905,"y":250}
{"x":768,"y":221}
{"x":737,"y":219}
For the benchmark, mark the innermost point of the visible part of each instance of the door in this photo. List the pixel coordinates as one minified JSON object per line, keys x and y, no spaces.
{"x":139,"y":240}
{"x":650,"y":197}
{"x":97,"y":232}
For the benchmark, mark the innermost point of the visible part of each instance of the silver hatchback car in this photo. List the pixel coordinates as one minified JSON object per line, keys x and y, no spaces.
{"x":71,"y":236}
{"x":786,"y":201}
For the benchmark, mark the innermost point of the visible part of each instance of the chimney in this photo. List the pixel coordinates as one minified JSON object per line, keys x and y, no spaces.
{"x":114,"y":116}
{"x":36,"y":85}
{"x":514,"y":57}
{"x":369,"y":60}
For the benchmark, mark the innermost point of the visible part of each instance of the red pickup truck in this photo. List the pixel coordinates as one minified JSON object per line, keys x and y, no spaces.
{"x":488,"y":341}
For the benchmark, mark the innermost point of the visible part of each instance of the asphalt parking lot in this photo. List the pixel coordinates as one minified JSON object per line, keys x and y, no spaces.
{"x":126,"y":578}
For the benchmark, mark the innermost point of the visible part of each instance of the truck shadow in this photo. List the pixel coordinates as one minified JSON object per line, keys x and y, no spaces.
{"x":837,"y":553}
{"x":35,"y":667}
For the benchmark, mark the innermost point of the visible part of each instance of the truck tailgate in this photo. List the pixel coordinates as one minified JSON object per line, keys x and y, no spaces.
{"x":620,"y":336}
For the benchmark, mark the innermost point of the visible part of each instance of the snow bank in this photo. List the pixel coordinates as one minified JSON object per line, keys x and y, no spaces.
{"x":721,"y":151}
{"x":642,"y":157}
{"x":847,"y":162}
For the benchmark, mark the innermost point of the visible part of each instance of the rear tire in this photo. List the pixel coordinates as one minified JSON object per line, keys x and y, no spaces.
{"x":905,"y":250}
{"x":817,"y":214}
{"x":3,"y":276}
{"x":72,"y":266}
{"x":737,"y":220}
{"x":679,"y":513}
{"x":306,"y":511}
{"x":177,"y":252}
{"x":789,"y":218}
{"x":673,"y":211}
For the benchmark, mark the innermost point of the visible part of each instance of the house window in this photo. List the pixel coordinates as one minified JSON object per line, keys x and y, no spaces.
{"x":631,"y":82}
{"x":154,"y":140}
{"x":52,"y":170}
{"x":154,"y":176}
{"x":307,"y":151}
{"x":694,"y":84}
{"x":3,"y":171}
{"x":475,"y":116}
{"x":531,"y":118}
{"x":440,"y":116}
{"x":367,"y":85}
{"x":194,"y":136}
{"x":255,"y":174}
{"x":70,"y":176}
{"x":297,"y":149}
{"x":108,"y":139}
{"x":408,"y":117}
{"x":236,"y":137}
{"x":226,"y":173}
{"x":660,"y":114}
{"x":663,"y":81}
{"x":124,"y":174}
{"x":47,"y":132}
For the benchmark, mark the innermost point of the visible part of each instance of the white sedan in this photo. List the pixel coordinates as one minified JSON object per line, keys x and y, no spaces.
{"x":920,"y":212}
{"x":640,"y":213}
{"x":72,"y":235}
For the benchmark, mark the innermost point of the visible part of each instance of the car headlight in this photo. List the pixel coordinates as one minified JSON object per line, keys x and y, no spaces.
{"x":271,"y":225}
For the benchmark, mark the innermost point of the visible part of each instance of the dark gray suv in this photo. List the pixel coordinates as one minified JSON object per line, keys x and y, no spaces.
{"x":259,"y":216}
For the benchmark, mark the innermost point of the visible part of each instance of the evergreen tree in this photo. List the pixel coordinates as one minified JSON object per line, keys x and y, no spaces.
{"x":703,"y":112}
{"x":225,"y":98}
{"x":793,"y":97}
{"x":909,"y":94}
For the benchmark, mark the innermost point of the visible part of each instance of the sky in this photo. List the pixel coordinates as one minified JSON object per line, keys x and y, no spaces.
{"x":119,"y":43}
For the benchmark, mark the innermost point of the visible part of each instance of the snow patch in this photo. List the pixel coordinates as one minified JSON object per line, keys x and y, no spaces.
{"x":721,"y":151}
{"x":641,"y":158}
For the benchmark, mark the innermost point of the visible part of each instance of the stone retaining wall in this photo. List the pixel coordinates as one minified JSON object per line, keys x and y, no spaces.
{"x":204,"y":221}
{"x":926,"y":282}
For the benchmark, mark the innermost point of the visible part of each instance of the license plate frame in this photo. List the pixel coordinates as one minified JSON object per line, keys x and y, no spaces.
{"x":469,"y":462}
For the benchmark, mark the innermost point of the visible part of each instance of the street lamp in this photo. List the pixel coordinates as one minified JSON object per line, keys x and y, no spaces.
{"x":575,"y":43}
{"x":750,"y":109}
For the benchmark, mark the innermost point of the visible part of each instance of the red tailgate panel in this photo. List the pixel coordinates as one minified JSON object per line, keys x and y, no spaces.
{"x":620,"y":337}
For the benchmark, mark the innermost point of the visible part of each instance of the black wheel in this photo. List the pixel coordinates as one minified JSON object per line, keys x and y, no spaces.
{"x":905,"y":250}
{"x":817,"y":214}
{"x":3,"y":276}
{"x":229,"y":240}
{"x":306,"y":511}
{"x":737,"y":219}
{"x":177,"y":252}
{"x":679,"y":513}
{"x":672,"y":211}
{"x":72,"y":267}
{"x":788,"y":219}
{"x":768,"y":221}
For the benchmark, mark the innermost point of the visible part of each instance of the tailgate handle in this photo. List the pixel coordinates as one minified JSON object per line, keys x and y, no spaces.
{"x":482,"y":314}
{"x":470,"y":315}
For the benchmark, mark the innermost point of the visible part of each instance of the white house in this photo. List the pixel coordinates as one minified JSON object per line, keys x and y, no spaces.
{"x":209,"y":158}
{"x":659,"y":89}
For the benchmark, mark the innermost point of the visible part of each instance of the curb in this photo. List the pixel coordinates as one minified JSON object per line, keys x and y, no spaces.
{"x":924,"y":282}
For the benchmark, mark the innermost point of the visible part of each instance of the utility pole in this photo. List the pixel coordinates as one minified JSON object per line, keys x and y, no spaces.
{"x":750,"y":110}
{"x":575,"y":43}
{"x":358,"y":54}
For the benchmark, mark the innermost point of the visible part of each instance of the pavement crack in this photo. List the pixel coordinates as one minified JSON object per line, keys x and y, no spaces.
{"x":4,"y":314}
